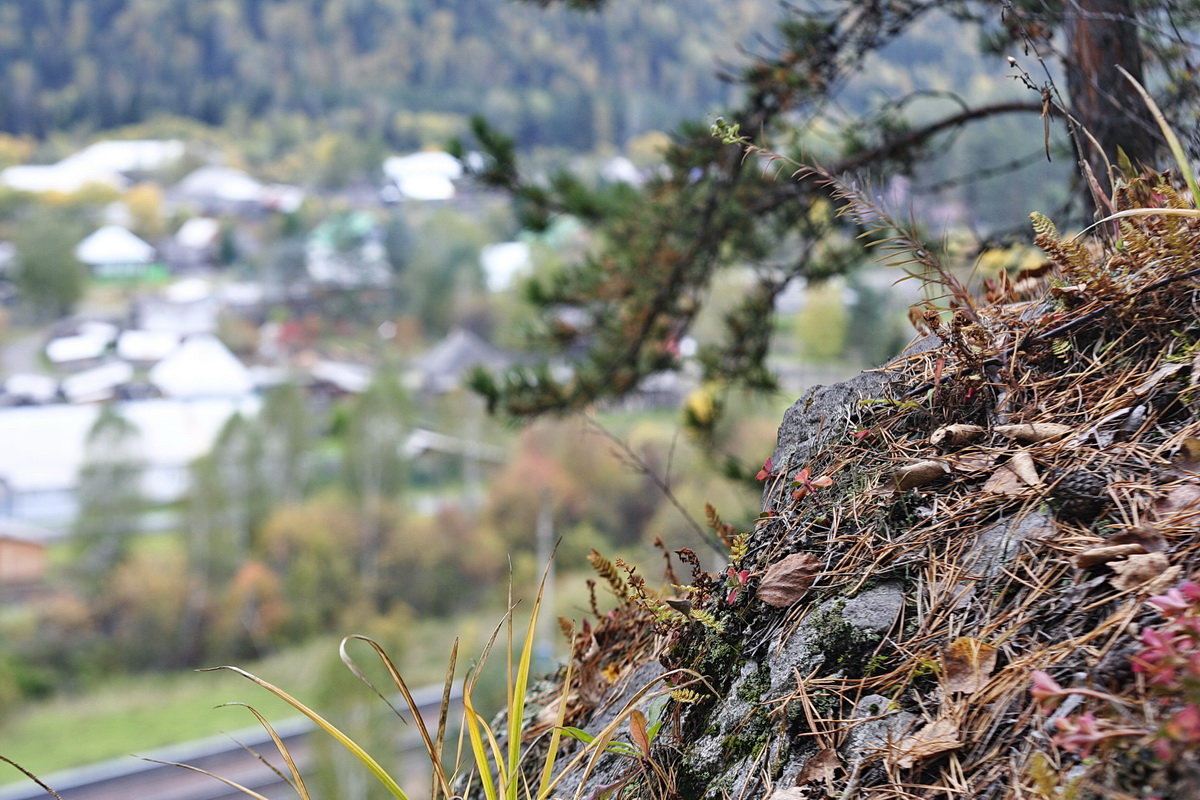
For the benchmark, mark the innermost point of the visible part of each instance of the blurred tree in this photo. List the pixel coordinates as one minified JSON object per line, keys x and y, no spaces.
{"x":48,"y":277}
{"x":623,"y":312}
{"x":111,"y":502}
{"x":145,"y":204}
{"x":375,"y":467}
{"x":227,"y":503}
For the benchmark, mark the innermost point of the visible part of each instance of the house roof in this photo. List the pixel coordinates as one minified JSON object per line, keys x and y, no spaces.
{"x":426,"y":162}
{"x":81,"y":347}
{"x":39,"y":178}
{"x":113,"y":244}
{"x":45,"y":445}
{"x":198,"y":233}
{"x":144,"y":346}
{"x":444,"y":366}
{"x":221,"y":183}
{"x":98,"y":383}
{"x":125,"y":155}
{"x":201,"y":367}
{"x":502,"y":262}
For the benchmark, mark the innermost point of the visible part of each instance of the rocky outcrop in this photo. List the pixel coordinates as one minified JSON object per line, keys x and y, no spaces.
{"x":964,"y":563}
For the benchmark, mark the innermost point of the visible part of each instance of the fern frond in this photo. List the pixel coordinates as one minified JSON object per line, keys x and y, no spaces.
{"x":605,"y":569}
{"x":741,"y":543}
{"x":686,"y":696}
{"x":706,"y":619}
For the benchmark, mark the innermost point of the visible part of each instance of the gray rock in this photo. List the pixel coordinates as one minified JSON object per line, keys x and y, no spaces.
{"x":875,"y":609}
{"x":880,"y":728}
{"x":998,"y":544}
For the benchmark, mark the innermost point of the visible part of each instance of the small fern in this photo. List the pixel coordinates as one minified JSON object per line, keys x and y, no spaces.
{"x":605,"y":569}
{"x":706,"y":619}
{"x":686,"y":696}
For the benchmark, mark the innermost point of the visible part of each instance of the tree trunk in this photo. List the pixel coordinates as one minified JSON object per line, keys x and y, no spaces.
{"x":1102,"y":35}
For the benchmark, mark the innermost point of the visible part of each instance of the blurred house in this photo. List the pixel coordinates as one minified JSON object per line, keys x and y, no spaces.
{"x":347,"y":252}
{"x":115,"y":252}
{"x":428,"y":175}
{"x":447,"y":364}
{"x":196,"y":244}
{"x":186,"y":307}
{"x":201,"y":367}
{"x":221,"y":190}
{"x":97,"y":384}
{"x":504,"y":262}
{"x":29,"y":388}
{"x":111,"y":163}
{"x":45,"y":446}
{"x":23,"y":559}
{"x":144,"y":348}
{"x":130,"y":158}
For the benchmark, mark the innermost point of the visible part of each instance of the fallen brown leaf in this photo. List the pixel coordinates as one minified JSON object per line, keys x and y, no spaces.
{"x":1034,"y":432}
{"x":1022,"y":464}
{"x":786,"y":581}
{"x":973,"y":461}
{"x":1146,"y":535}
{"x":1186,"y":463}
{"x":955,"y":435}
{"x":821,"y":768}
{"x":1138,"y":570}
{"x":1106,"y":553}
{"x":917,"y":474}
{"x":936,"y":737}
{"x":1014,"y":476}
{"x":967,"y":664}
{"x":1165,"y":581}
{"x":1181,"y":499}
{"x":1159,"y":375}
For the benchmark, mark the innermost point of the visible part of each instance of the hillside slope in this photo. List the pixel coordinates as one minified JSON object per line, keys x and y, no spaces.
{"x":970,"y":575}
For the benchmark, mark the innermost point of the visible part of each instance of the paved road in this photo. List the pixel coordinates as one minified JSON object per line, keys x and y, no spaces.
{"x":133,"y":778}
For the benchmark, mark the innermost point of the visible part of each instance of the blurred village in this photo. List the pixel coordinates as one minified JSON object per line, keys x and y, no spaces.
{"x":233,"y":411}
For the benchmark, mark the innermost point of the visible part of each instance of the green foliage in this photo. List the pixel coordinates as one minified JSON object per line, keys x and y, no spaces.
{"x":110,"y":500}
{"x":379,"y":72}
{"x":732,"y":197}
{"x":48,"y":277}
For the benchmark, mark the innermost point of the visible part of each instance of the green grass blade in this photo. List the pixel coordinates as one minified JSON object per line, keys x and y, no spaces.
{"x":345,"y":741}
{"x":556,"y":735}
{"x":297,"y":780}
{"x":473,"y":723}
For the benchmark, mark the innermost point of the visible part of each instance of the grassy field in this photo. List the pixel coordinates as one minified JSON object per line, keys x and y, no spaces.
{"x":134,"y":714}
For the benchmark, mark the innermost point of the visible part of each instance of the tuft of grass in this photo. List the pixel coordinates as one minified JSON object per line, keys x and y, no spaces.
{"x":500,"y":763}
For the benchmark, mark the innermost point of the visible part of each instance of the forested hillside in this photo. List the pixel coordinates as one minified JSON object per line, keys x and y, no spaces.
{"x":549,"y":76}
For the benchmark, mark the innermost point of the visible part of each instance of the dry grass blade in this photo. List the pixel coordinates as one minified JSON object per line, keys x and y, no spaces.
{"x":439,"y":741}
{"x":31,"y":777}
{"x":231,"y":784}
{"x":297,"y":781}
{"x":341,"y":738}
{"x":433,"y":751}
{"x":1182,"y":162}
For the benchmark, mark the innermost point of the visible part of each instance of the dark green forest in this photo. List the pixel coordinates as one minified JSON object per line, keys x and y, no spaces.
{"x":380,"y":69}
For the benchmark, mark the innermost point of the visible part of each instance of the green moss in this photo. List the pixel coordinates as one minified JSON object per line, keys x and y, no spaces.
{"x":750,"y":737}
{"x":755,"y":685}
{"x":845,"y":647}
